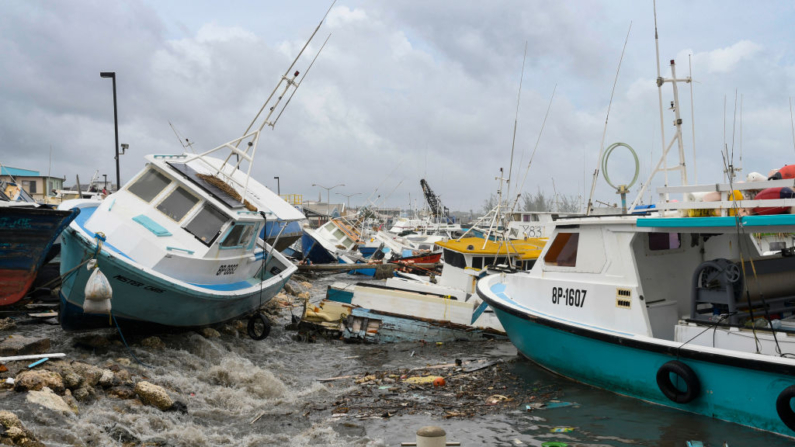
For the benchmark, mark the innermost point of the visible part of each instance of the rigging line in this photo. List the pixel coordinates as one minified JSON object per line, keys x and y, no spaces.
{"x":538,"y":140}
{"x":515,"y":124}
{"x":604,"y":133}
{"x":734,"y":127}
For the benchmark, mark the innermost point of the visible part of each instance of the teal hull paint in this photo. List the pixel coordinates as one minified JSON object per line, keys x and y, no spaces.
{"x":734,"y":394}
{"x":339,"y":295}
{"x":155,"y":300}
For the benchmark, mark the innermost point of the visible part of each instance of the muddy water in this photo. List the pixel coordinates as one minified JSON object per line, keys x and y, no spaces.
{"x":226,"y":382}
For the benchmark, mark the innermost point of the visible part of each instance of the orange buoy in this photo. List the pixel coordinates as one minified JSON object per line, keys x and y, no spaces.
{"x":786,"y":172}
{"x":439,"y":381}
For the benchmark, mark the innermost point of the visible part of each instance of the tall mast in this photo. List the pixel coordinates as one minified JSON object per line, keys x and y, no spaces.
{"x":662,"y":165}
{"x":515,"y":124}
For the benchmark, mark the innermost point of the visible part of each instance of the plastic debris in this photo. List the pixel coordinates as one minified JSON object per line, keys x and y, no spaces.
{"x":695,"y":444}
{"x":554,"y":444}
{"x":549,"y":405}
{"x":562,"y":430}
{"x":10,"y":380}
{"x":422,"y":380}
{"x":38,"y":362}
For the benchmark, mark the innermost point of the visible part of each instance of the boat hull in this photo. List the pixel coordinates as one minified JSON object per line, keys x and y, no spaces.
{"x":147,"y":299}
{"x":732,"y":389}
{"x":291,"y":233}
{"x":28,"y":235}
{"x":314,"y":250}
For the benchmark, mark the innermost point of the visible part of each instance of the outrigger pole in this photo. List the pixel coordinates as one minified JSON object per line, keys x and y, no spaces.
{"x":607,"y":117}
{"x":253,"y":136}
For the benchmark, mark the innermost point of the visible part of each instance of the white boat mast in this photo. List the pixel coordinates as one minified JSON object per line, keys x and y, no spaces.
{"x":662,"y":165}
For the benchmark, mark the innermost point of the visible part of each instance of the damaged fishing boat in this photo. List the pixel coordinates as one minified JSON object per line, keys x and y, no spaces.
{"x":439,"y":308}
{"x":179,"y":243}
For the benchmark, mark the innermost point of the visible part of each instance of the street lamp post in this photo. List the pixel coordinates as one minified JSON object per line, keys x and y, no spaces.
{"x":348,"y":196}
{"x":328,"y":190}
{"x":278,"y":187}
{"x":106,"y":180}
{"x":112,"y":75}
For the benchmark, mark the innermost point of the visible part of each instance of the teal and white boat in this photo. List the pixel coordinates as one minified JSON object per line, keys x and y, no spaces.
{"x":688,"y":312}
{"x":180,"y":243}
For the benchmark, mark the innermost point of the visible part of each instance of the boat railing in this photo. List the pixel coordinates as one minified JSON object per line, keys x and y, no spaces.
{"x":726,"y":201}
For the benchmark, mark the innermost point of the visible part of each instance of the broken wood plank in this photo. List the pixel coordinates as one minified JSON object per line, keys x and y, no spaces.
{"x":331,"y":379}
{"x":43,"y":314}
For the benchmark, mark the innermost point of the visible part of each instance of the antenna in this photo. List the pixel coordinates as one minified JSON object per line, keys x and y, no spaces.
{"x":187,"y":144}
{"x":741,"y":132}
{"x":604,"y":133}
{"x":515,"y":123}
{"x":792,"y":122}
{"x":521,"y":187}
{"x":693,"y":120}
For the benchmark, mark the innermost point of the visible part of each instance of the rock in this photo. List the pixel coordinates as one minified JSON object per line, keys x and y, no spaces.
{"x":38,"y":379}
{"x":73,"y":380}
{"x":46,"y":398}
{"x":19,"y":345}
{"x":153,"y":342}
{"x":16,"y":434}
{"x":179,"y":406}
{"x":153,"y":395}
{"x":123,"y":377}
{"x":106,"y":379}
{"x":90,"y":373}
{"x":209,"y":332}
{"x":121,"y":434}
{"x":123,"y":361}
{"x":304,"y":295}
{"x":9,"y":419}
{"x":114,"y":367}
{"x":241,"y":325}
{"x":228,"y":329}
{"x":6,"y":324}
{"x":306,"y":284}
{"x":122,"y":392}
{"x":84,"y":393}
{"x":71,"y":401}
{"x":290,"y":289}
{"x":92,"y":341}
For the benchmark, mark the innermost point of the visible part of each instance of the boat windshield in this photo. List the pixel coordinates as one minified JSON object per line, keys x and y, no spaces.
{"x":239,"y":236}
{"x":149,"y":185}
{"x":178,"y":203}
{"x":206,"y":225}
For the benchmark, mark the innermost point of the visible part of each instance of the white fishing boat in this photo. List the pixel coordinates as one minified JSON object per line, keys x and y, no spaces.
{"x":179,"y":243}
{"x":686,"y":312}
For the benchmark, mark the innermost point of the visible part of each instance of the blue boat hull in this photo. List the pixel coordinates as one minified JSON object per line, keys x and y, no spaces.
{"x":27,"y":235}
{"x":732,"y":389}
{"x":146,"y":299}
{"x":367,"y":251}
{"x":291,"y":233}
{"x":313,"y":251}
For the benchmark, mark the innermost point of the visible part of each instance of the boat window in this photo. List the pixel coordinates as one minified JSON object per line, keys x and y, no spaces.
{"x":502,"y":260}
{"x":338,"y":234}
{"x":238,"y":236}
{"x":563,"y":251}
{"x":207,"y":224}
{"x":477,"y":262}
{"x":149,"y":185}
{"x":664,"y":241}
{"x":455,"y":259}
{"x":488,"y":260}
{"x":178,"y":203}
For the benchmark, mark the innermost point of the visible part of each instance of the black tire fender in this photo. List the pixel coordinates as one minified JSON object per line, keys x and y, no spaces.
{"x":686,"y":374}
{"x":252,"y":326}
{"x":784,"y":407}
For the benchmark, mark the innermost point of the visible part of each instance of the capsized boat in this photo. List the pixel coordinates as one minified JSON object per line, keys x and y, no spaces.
{"x":440,"y":308}
{"x":29,"y":232}
{"x":179,"y":243}
{"x":334,"y":241}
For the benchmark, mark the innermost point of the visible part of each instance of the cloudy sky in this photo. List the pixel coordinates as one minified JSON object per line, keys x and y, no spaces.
{"x":404,"y":90}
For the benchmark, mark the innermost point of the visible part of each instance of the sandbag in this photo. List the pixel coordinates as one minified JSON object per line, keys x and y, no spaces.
{"x":97,"y":287}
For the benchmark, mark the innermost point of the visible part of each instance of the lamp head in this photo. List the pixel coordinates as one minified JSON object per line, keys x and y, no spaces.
{"x":107,"y":74}
{"x":124,"y":147}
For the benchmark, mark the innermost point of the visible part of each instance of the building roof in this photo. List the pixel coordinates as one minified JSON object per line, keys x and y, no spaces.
{"x":17,"y":172}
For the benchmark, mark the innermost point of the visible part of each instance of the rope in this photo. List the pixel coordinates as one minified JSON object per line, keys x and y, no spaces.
{"x":118,"y":328}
